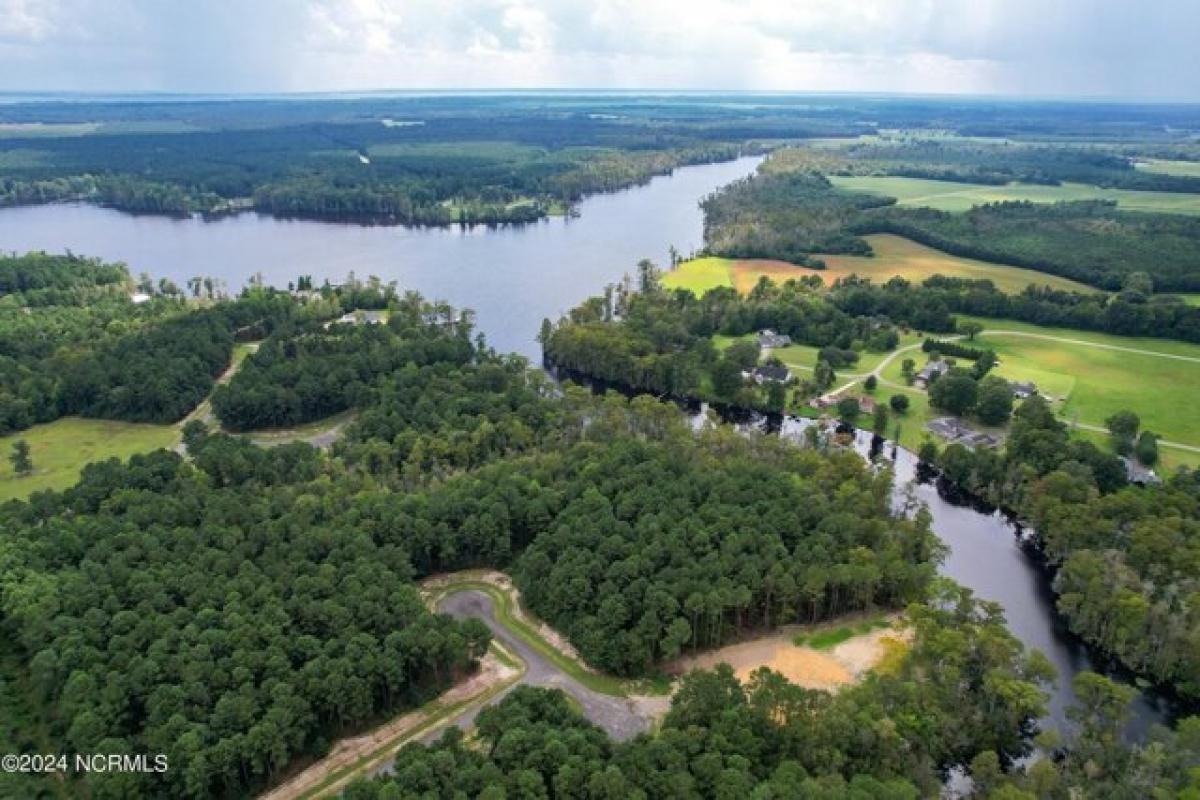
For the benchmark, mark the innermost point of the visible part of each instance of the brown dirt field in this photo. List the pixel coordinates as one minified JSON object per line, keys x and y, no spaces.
{"x":747,"y":272}
{"x":814,"y":669}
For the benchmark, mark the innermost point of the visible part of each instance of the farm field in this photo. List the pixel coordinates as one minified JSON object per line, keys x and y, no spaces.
{"x":894,"y":256}
{"x":1164,"y":167}
{"x":700,"y":274}
{"x":954,"y":196}
{"x":62,"y":448}
{"x":897,"y":256}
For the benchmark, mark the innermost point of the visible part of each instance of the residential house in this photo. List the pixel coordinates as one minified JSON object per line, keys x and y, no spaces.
{"x":768,"y":339}
{"x":764,"y":373}
{"x":955,"y":431}
{"x":931,"y":371}
{"x":1136,"y":473}
{"x":1022,"y":391}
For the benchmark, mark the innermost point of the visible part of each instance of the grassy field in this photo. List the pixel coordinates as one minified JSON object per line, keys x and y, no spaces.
{"x":803,"y":357}
{"x":1090,"y":383}
{"x":894,"y":256}
{"x":952,"y":196}
{"x":61,"y":449}
{"x":1187,"y":168}
{"x":897,"y":256}
{"x":700,"y":274}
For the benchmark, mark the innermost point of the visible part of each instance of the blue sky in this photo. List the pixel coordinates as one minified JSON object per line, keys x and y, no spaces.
{"x":1092,"y":48}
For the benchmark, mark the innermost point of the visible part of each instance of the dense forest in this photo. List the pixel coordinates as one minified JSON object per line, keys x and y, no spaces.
{"x":931,"y":306}
{"x":998,"y":163}
{"x":771,"y":739}
{"x":303,"y":374}
{"x":74,"y":341}
{"x":449,"y":166}
{"x":239,"y":609}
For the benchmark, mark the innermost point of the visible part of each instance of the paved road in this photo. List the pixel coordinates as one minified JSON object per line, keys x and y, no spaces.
{"x":616,"y":715}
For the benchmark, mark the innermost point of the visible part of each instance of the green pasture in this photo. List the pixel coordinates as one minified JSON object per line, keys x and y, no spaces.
{"x":61,"y":449}
{"x":699,"y":275}
{"x":1187,"y":168}
{"x":954,"y":196}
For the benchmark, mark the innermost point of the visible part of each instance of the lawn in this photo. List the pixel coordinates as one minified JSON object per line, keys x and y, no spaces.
{"x":953,"y":196}
{"x":61,"y":449}
{"x":1102,"y":382}
{"x":894,"y":256}
{"x":1097,"y":381}
{"x":803,"y":357}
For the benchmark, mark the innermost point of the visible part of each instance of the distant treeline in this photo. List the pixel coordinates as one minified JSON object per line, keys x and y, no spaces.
{"x":790,"y":211}
{"x":996,"y":164}
{"x":931,"y":305}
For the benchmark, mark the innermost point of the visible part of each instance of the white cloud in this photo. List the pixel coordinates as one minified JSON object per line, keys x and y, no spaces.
{"x":1095,"y":47}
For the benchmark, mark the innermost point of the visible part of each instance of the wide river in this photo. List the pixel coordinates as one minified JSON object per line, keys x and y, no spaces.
{"x":514,"y":276}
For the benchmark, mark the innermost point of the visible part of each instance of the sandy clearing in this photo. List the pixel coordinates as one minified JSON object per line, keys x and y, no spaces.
{"x":830,"y":669}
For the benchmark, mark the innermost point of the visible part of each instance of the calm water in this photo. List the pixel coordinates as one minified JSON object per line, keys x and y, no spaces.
{"x":513,"y":277}
{"x":986,"y":554}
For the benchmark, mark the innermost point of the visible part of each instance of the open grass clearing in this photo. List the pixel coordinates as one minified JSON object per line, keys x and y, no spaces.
{"x":700,"y":274}
{"x":953,"y":196}
{"x":1159,"y":390}
{"x":61,"y":449}
{"x":1090,"y":375}
{"x":1189,"y":169}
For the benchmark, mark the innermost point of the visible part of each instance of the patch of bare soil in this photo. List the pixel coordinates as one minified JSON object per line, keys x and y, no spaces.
{"x":814,"y":669}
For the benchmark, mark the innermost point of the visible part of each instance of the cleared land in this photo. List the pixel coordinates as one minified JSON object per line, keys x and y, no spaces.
{"x":700,"y":274}
{"x":62,"y":448}
{"x":808,"y":661}
{"x":804,"y":357}
{"x":1090,"y":376}
{"x":1187,"y":168}
{"x":894,"y":256}
{"x":953,"y":196}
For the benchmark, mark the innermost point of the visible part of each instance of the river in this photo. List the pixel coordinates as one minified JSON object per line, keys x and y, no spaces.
{"x":514,"y":276}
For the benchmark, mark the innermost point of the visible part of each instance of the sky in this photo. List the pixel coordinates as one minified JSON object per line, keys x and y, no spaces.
{"x":1136,"y":49}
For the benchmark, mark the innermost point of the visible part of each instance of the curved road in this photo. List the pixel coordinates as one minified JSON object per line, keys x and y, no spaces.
{"x":618,"y":716}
